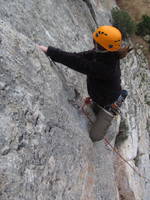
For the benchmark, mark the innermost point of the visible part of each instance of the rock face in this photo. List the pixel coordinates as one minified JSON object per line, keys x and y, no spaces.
{"x":147,"y":38}
{"x":45,"y":150}
{"x":136,"y":117}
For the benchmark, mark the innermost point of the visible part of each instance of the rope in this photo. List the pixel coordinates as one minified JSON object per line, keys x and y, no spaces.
{"x":89,"y":101}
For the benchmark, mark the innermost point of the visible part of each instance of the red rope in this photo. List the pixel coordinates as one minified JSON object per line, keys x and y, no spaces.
{"x":89,"y":101}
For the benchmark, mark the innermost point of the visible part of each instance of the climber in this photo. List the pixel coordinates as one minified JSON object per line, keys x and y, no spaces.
{"x":102,"y":67}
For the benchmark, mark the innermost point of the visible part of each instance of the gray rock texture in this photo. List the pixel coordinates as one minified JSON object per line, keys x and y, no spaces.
{"x":136,"y":79}
{"x":146,"y":38}
{"x":45,"y":149}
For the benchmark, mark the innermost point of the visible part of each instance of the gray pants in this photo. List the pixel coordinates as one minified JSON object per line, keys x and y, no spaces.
{"x":101,"y":125}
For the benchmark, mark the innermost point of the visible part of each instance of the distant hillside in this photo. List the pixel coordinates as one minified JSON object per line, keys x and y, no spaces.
{"x":135,"y":8}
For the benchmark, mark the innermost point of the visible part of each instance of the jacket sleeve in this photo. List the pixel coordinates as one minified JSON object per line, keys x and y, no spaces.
{"x":78,"y":63}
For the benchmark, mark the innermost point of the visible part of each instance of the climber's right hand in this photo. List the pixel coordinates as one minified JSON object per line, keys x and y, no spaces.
{"x":43,"y":48}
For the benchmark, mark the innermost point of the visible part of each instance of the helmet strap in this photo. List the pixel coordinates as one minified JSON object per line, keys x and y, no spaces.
{"x":100,"y":49}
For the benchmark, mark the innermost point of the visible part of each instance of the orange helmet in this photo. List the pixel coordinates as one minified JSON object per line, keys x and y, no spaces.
{"x":108,"y":37}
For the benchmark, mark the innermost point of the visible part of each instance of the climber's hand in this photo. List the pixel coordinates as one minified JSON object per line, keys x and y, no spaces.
{"x":43,"y":48}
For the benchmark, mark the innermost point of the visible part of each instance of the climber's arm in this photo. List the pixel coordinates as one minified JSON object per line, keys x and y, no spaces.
{"x":79,"y":63}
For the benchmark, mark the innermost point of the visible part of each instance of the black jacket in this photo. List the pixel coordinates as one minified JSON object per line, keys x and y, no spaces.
{"x":102,"y":70}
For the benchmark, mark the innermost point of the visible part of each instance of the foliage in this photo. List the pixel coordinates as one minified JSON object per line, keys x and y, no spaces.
{"x":123,"y":21}
{"x":143,"y":27}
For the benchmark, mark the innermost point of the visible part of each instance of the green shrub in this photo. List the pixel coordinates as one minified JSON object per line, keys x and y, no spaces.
{"x":143,"y":27}
{"x":123,"y":21}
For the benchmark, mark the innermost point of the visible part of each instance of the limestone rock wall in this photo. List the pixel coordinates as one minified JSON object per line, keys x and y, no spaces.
{"x":45,"y":150}
{"x":136,"y":114}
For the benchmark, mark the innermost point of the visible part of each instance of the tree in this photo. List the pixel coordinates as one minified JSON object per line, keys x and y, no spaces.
{"x":143,"y":27}
{"x":123,"y":21}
